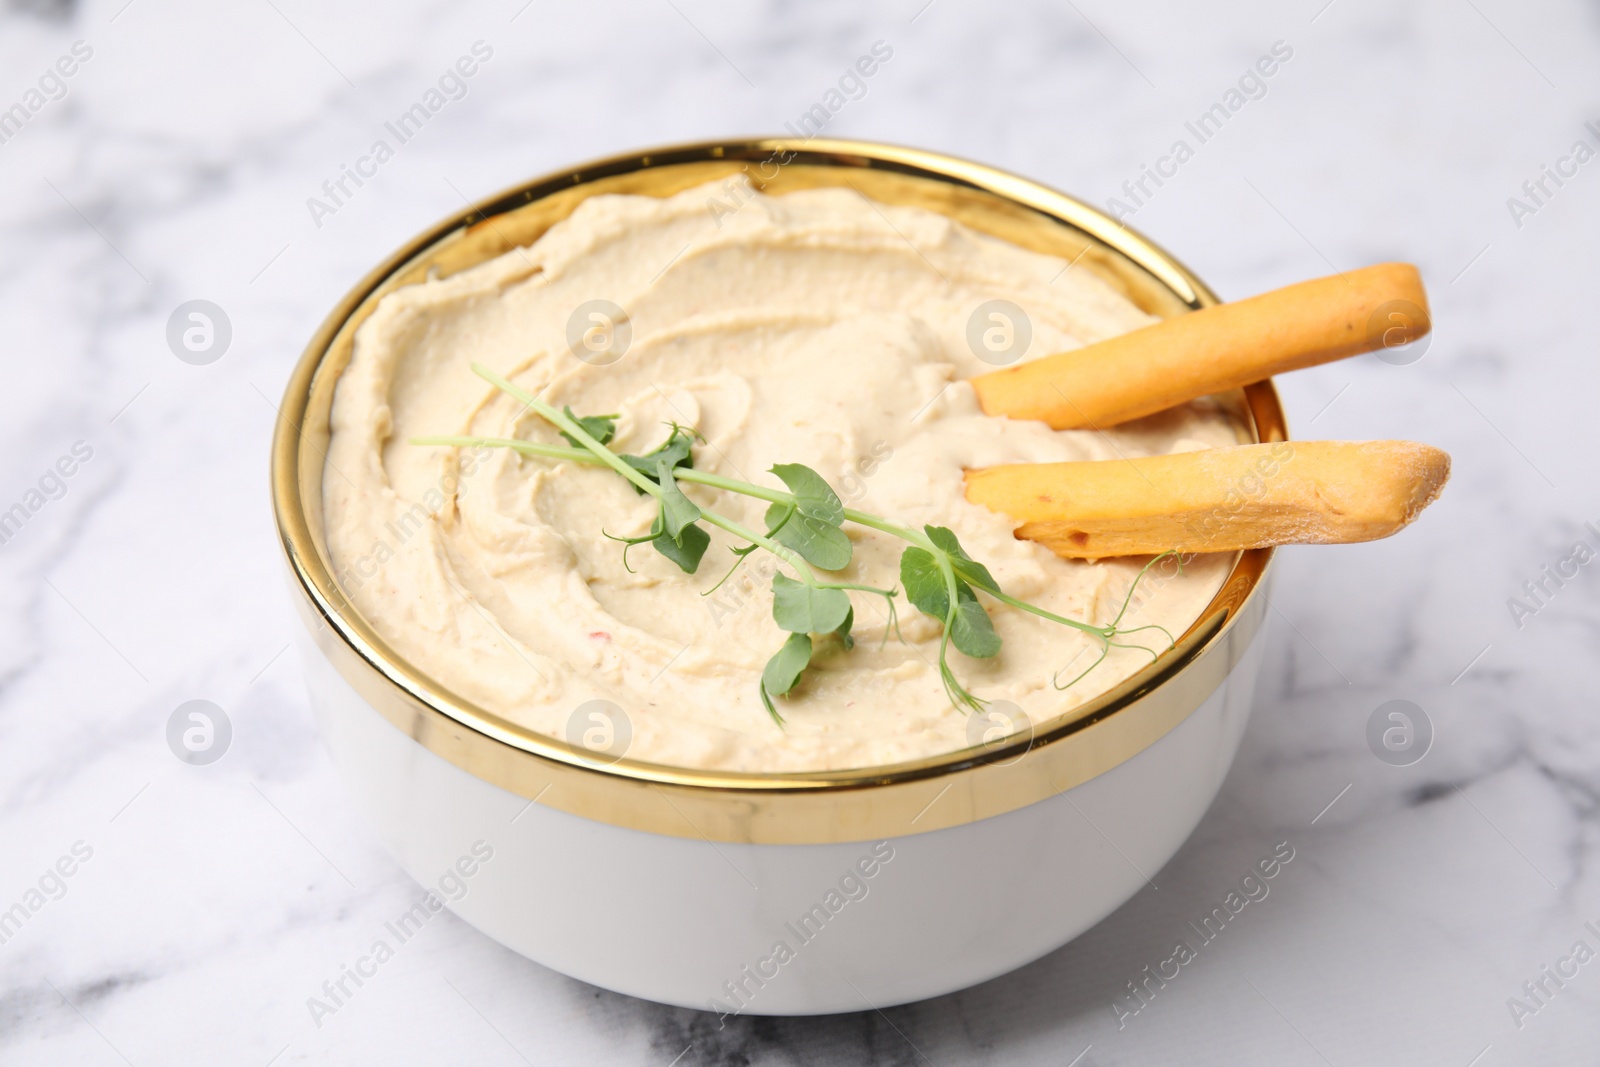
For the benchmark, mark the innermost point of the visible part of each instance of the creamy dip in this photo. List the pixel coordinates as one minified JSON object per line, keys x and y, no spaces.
{"x":817,"y":328}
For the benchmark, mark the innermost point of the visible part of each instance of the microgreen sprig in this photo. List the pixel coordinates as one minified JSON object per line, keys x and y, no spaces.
{"x":804,"y":531}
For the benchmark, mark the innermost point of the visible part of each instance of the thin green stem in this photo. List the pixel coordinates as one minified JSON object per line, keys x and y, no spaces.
{"x":733,"y":485}
{"x":1023,"y":605}
{"x":570,"y":428}
{"x":737,"y":563}
{"x":1105,"y":650}
{"x":856,"y":587}
{"x":1150,"y":626}
{"x":1135,"y":585}
{"x":1141,"y":648}
{"x":905,"y":533}
{"x":957,"y":693}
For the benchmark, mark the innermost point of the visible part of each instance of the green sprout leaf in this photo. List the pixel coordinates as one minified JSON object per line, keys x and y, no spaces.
{"x":810,"y":525}
{"x":801,"y":608}
{"x":678,"y":511}
{"x":966,"y":568}
{"x":812,"y":494}
{"x":686,"y":550}
{"x":783,"y":670}
{"x":675,"y":450}
{"x":679,"y":539}
{"x":821,"y":545}
{"x":844,"y":628}
{"x":971,"y":630}
{"x":600,"y":427}
{"x":923,"y":582}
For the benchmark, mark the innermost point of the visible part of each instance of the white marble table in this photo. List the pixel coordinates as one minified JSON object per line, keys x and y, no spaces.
{"x":215,"y":900}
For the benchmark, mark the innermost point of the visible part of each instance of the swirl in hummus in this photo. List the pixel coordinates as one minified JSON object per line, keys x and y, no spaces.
{"x":816,"y":328}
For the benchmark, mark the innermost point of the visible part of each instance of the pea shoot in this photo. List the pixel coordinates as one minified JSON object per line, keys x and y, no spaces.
{"x":804,"y":530}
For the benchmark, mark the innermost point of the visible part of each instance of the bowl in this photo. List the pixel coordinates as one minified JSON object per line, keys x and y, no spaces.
{"x":773,"y":894}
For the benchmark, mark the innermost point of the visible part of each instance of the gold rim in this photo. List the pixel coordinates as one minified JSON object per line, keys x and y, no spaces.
{"x":808,"y":808}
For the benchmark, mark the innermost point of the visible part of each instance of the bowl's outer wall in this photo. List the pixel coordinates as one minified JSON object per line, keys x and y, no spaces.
{"x":672,"y":920}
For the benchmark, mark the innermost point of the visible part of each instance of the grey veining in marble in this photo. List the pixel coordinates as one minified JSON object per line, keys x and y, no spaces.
{"x":176,"y":163}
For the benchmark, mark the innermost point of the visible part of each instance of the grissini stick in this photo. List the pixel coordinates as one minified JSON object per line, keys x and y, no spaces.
{"x":1213,"y":349}
{"x":1217,"y":500}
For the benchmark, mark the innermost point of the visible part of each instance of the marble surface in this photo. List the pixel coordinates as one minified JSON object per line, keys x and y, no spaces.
{"x":216,"y":899}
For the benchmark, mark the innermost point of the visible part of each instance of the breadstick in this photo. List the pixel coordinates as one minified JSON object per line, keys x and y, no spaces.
{"x":1213,"y":350}
{"x":1217,"y":500}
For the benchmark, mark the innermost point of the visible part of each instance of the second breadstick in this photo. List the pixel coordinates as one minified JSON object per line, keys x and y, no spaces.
{"x":1217,"y":500}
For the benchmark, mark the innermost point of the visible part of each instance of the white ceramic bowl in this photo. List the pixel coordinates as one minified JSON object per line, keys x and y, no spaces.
{"x":772,"y":894}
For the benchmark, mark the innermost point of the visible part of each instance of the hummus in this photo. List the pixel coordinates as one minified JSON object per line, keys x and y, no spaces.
{"x":816,"y":328}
